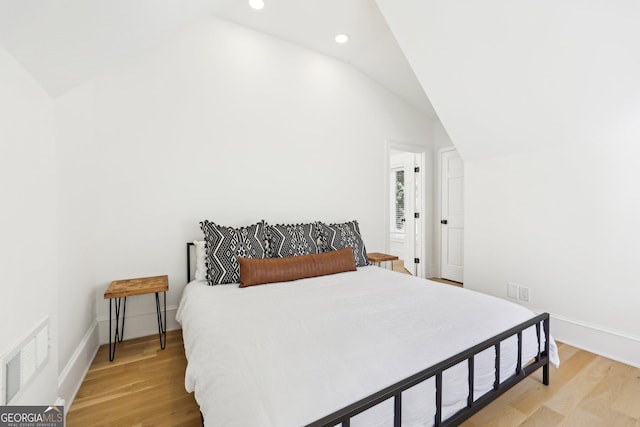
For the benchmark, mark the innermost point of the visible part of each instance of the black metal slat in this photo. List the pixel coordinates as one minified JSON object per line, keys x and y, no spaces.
{"x":397,"y":410}
{"x":471,"y":364}
{"x":496,"y":384}
{"x":519,"y":365}
{"x":346,"y":422}
{"x":438,"y":418}
{"x":538,"y":335}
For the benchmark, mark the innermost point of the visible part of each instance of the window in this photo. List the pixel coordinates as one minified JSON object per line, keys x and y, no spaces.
{"x":397,"y":200}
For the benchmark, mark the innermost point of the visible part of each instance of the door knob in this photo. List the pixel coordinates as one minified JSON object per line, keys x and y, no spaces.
{"x":444,"y":221}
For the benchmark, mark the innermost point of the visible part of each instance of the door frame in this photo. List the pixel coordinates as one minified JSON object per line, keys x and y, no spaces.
{"x":438,"y":210}
{"x":425,"y":215}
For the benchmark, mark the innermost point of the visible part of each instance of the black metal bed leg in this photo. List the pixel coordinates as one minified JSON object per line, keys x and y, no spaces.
{"x":162,"y":322}
{"x":547,"y":348}
{"x":545,"y":374}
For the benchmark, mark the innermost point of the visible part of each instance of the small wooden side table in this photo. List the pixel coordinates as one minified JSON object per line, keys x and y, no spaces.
{"x":377,"y":258}
{"x":131,"y":287}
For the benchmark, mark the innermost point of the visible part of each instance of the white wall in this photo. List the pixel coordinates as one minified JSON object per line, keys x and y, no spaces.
{"x":28,"y":264}
{"x":564,"y":224}
{"x":231,"y":125}
{"x":542,"y":99}
{"x":441,"y":138}
{"x":77,"y":198}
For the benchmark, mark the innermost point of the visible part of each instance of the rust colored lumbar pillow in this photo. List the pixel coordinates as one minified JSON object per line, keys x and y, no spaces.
{"x":255,"y":271}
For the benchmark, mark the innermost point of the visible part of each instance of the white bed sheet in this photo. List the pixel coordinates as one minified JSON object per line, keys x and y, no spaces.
{"x":286,"y":354}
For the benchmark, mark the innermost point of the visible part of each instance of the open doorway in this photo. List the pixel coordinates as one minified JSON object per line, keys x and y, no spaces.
{"x":406,"y":206}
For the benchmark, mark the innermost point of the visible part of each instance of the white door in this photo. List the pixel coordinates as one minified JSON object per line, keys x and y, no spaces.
{"x":452,"y":216}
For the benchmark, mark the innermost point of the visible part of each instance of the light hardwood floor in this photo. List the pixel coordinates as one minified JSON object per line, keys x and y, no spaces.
{"x":447,"y":282}
{"x":398,"y":267}
{"x":144,"y":386}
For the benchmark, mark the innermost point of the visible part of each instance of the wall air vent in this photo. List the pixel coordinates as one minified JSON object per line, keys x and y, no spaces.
{"x":21,"y":363}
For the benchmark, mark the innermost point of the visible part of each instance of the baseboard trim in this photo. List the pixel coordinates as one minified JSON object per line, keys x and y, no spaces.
{"x":612,"y":344}
{"x":71,"y":377}
{"x":139,"y":324}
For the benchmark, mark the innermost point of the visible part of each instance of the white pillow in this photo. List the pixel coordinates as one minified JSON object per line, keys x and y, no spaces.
{"x":201,"y":266}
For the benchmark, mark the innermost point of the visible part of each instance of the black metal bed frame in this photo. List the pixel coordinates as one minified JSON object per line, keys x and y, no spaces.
{"x":541,"y":360}
{"x":394,"y":391}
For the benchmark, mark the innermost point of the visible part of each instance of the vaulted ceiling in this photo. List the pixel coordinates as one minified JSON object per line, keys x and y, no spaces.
{"x":510,"y":77}
{"x":64,"y":43}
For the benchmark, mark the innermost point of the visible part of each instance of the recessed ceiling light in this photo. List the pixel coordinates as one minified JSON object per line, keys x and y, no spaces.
{"x":342,"y":38}
{"x":256,"y":4}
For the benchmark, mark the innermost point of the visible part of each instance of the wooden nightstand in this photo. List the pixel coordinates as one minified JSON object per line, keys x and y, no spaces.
{"x":377,"y":258}
{"x":131,"y":287}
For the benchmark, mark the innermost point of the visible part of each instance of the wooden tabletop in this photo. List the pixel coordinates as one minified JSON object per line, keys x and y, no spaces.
{"x":142,"y":285}
{"x":380,"y":257}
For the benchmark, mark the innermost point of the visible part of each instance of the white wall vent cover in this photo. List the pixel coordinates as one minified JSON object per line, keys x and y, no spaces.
{"x":20,"y":364}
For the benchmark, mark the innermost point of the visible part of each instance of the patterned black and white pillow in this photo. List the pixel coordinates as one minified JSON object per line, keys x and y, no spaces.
{"x":340,"y":236}
{"x":285,"y":240}
{"x":225,"y":244}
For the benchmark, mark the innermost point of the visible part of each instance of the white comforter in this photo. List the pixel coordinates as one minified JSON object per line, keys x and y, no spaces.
{"x":286,"y":354}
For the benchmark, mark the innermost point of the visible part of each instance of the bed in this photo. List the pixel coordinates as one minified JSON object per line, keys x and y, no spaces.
{"x":369,"y":347}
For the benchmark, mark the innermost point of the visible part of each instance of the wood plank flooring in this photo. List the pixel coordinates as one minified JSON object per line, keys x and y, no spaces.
{"x":587,"y":390}
{"x":398,"y":267}
{"x":447,"y":282}
{"x":144,"y":386}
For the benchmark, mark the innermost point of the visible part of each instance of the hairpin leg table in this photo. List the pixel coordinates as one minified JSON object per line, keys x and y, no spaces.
{"x":126,"y":288}
{"x":378,"y":258}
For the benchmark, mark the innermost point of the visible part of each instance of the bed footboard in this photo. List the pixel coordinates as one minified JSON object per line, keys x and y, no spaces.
{"x":541,"y":360}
